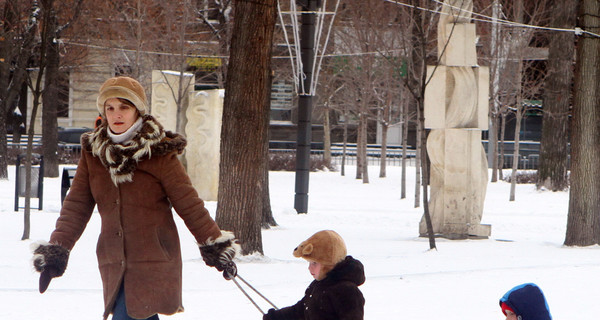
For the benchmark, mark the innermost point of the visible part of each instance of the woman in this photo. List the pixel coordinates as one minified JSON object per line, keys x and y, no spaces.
{"x":130,"y":170}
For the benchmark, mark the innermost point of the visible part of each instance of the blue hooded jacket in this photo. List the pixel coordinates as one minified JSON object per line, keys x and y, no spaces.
{"x":528,"y":302}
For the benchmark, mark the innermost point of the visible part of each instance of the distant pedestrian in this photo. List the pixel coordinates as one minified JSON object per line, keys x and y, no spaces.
{"x":525,"y":302}
{"x":98,"y":121}
{"x":130,"y":171}
{"x":334,"y":293}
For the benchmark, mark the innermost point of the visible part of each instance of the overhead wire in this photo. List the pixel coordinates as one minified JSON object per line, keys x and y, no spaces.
{"x":488,"y":19}
{"x":578,"y":31}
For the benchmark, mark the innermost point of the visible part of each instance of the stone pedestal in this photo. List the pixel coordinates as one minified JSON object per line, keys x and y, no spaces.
{"x":458,"y":184}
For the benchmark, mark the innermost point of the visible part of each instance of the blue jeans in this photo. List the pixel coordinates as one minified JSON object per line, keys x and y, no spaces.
{"x":120,"y":309}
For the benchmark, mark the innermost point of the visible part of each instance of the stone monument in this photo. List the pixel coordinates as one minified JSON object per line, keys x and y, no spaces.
{"x":456,"y":111}
{"x":198,"y":119}
{"x":203,"y":131}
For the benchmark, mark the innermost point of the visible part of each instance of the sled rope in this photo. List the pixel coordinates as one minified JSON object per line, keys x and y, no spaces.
{"x":248,"y":296}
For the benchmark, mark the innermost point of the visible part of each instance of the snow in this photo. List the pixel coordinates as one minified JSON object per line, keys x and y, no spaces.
{"x":462,"y":279}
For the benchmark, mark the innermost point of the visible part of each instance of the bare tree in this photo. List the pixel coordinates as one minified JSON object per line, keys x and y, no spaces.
{"x":367,"y":32}
{"x":553,"y":166}
{"x":509,"y":52}
{"x":59,"y":19}
{"x":46,"y":20}
{"x":17,"y":39}
{"x":583,"y":223}
{"x":243,"y":134}
{"x":527,"y":74}
{"x":421,"y":25}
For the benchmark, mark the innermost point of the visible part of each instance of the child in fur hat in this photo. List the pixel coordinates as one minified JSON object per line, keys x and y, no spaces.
{"x":334,"y":293}
{"x":525,"y":302}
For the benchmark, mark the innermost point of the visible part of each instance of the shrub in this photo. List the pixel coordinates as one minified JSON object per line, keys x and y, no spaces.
{"x":286,"y":161}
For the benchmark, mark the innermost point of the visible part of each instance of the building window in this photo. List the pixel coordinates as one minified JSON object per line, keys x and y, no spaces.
{"x":281,"y":101}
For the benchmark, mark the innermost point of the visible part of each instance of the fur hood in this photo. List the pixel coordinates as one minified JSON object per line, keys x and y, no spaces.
{"x":121,"y":160}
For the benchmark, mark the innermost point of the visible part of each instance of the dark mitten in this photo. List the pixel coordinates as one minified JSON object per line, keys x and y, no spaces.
{"x":220,"y":252}
{"x":270,"y":315}
{"x":229,"y":270}
{"x":50,"y":260}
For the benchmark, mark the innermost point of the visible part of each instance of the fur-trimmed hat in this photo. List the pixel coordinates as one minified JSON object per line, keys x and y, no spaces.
{"x":325,"y":247}
{"x":125,"y":88}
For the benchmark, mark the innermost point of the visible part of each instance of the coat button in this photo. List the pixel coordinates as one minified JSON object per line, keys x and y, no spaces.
{"x":119,"y":234}
{"x":122,"y":262}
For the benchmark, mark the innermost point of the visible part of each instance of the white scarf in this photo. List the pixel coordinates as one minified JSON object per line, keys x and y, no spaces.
{"x":125,"y":137}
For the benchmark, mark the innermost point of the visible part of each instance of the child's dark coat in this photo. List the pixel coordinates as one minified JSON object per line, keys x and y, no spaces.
{"x":336,"y":297}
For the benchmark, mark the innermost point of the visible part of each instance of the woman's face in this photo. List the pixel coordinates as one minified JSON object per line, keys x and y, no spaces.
{"x":119,"y":115}
{"x":314,"y":268}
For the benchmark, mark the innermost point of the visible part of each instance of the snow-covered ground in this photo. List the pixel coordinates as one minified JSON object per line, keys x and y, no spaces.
{"x":461,"y":280}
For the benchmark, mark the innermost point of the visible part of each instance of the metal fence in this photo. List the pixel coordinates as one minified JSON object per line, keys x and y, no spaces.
{"x":393,"y":155}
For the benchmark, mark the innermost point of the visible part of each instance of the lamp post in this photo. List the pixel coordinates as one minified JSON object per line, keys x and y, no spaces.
{"x":305,"y":103}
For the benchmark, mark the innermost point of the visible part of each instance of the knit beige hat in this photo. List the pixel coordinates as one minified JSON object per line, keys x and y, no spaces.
{"x":325,"y":247}
{"x":125,"y":88}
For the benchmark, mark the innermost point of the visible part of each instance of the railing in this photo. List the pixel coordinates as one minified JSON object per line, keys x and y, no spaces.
{"x":22,"y":144}
{"x":68,"y":153}
{"x":393,"y":154}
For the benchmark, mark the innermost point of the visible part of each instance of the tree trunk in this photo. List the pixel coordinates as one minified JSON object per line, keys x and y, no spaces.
{"x":359,"y":154}
{"x":497,"y":65}
{"x":3,"y":147}
{"x":267,"y":214}
{"x":243,"y":135}
{"x":363,"y":148}
{"x":384,"y":133}
{"x":383,"y":157}
{"x":50,"y":101}
{"x":405,"y":118}
{"x":583,"y":222}
{"x":516,"y":157}
{"x":326,"y":137}
{"x":345,"y":142}
{"x":418,"y":160}
{"x":502,"y":135}
{"x":15,"y":51}
{"x":493,"y":146}
{"x":552,"y":170}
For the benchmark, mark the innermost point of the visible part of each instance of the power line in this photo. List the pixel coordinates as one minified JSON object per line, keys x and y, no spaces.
{"x":577,"y":31}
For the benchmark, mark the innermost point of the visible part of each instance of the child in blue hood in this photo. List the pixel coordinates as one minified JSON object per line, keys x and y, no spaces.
{"x":525,"y":302}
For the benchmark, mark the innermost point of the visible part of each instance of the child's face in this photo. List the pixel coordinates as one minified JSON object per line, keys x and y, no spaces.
{"x":510,"y":315}
{"x":315,"y":269}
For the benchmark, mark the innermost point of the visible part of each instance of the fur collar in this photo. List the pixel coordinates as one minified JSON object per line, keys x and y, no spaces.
{"x":121,"y":160}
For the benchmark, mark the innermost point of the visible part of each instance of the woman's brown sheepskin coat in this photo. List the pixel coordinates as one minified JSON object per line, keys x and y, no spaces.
{"x":134,"y":187}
